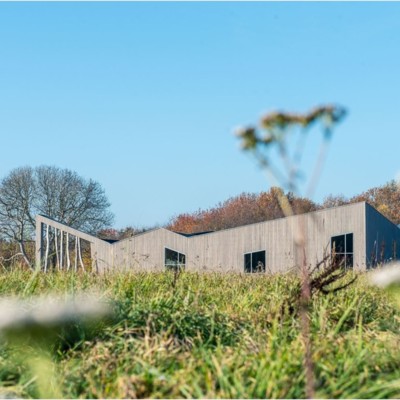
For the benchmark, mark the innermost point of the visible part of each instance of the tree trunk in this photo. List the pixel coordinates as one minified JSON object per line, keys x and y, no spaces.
{"x":23,"y":252}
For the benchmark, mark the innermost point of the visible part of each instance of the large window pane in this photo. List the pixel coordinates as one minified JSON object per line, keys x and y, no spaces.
{"x":349,"y":261}
{"x":247,"y":262}
{"x":254,"y":262}
{"x":171,"y":257}
{"x":339,"y":260}
{"x":338,"y":244}
{"x":349,"y":243}
{"x":174,"y":260}
{"x":258,"y":261}
{"x":342,"y":250}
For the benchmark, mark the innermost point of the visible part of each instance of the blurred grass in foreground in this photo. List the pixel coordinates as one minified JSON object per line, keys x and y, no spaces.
{"x":212,"y":336}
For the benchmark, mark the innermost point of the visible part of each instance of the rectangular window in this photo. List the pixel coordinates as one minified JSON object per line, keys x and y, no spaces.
{"x":342,"y":250}
{"x":254,"y":262}
{"x":174,"y":259}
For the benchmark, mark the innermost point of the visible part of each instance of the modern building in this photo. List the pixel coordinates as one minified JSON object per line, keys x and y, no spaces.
{"x":357,"y":234}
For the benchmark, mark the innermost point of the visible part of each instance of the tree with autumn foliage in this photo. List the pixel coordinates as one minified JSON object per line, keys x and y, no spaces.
{"x":249,"y":208}
{"x":120,"y":234}
{"x":385,"y":198}
{"x":246,"y":208}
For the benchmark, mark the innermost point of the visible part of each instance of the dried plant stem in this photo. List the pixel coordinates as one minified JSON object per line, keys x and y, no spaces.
{"x":305,"y":297}
{"x":308,"y":361}
{"x":277,"y":125}
{"x":305,"y":300}
{"x":317,"y":169}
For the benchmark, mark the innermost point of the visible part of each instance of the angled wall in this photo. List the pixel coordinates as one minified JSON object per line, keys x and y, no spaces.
{"x":101,"y":251}
{"x":145,"y":252}
{"x":382,"y":238}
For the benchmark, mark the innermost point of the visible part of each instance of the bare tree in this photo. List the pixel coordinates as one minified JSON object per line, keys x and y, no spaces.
{"x":334,"y":201}
{"x":17,"y":218}
{"x":69,"y":198}
{"x":57,"y":193}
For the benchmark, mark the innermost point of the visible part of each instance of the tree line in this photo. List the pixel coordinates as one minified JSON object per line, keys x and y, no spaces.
{"x":82,"y":204}
{"x":249,"y":208}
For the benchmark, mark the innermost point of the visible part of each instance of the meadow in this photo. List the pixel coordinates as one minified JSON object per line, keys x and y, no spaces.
{"x":208,"y":336}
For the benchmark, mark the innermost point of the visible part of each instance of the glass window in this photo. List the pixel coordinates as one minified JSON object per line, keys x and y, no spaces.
{"x":247,"y":262}
{"x":254,"y":262}
{"x":342,"y":250}
{"x":349,"y":243}
{"x":338,"y":244}
{"x":174,"y":260}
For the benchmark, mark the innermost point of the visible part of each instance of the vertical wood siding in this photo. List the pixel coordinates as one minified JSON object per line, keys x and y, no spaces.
{"x":224,"y":250}
{"x":381,"y":236}
{"x":145,"y":251}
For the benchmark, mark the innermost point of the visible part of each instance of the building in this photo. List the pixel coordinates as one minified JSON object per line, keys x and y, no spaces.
{"x":357,"y":233}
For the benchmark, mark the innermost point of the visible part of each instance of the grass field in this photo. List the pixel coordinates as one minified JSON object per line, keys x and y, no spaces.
{"x":210,"y":336}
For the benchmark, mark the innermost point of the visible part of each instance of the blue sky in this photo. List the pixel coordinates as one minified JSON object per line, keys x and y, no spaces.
{"x":144,"y":97}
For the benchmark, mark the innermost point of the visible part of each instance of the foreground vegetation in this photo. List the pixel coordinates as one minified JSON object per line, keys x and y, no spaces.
{"x":210,"y":335}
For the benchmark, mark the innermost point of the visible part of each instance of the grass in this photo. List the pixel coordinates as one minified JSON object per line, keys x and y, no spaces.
{"x":212,"y":336}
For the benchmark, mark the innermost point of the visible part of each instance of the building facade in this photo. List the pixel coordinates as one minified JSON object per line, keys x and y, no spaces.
{"x":356,"y":233}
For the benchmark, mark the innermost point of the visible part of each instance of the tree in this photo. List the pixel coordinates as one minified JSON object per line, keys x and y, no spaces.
{"x":17,"y":218}
{"x":385,"y":198}
{"x":246,"y":208}
{"x":334,"y":201}
{"x":120,"y":234}
{"x":57,"y":193}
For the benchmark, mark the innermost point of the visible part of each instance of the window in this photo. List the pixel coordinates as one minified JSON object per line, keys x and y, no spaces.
{"x":254,"y":262}
{"x":342,"y":249}
{"x":174,"y":260}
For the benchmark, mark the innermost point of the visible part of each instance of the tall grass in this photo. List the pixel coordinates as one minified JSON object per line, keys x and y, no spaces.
{"x":213,"y":336}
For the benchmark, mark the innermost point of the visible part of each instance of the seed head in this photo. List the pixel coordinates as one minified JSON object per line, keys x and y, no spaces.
{"x":386,"y":276}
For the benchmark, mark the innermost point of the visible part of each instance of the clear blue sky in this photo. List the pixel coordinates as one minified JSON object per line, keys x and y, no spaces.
{"x":144,"y":97}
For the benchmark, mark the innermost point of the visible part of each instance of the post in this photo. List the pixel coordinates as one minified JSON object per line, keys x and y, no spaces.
{"x":46,"y":256}
{"x":67,"y":250}
{"x":56,"y":246}
{"x":76,"y":254}
{"x":39,"y":243}
{"x":80,"y":254}
{"x":61,"y":249}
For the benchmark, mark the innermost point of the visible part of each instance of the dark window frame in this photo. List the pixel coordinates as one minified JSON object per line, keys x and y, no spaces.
{"x":179,"y":263}
{"x":250,"y":266}
{"x":346,"y":253}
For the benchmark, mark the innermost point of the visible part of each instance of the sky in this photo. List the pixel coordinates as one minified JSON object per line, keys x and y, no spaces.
{"x":144,"y":97}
